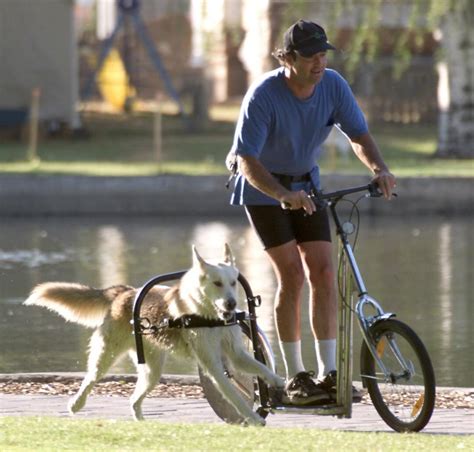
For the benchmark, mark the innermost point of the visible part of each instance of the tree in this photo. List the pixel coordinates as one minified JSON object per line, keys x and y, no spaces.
{"x":451,"y":23}
{"x":456,"y":82}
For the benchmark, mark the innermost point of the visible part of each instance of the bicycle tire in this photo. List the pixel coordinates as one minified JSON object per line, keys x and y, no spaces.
{"x":246,"y":384}
{"x":406,"y":403}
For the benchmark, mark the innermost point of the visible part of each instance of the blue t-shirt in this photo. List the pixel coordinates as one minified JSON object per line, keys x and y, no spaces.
{"x":286,"y":133}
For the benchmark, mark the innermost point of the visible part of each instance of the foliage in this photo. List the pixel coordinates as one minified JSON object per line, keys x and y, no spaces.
{"x":425,"y":16}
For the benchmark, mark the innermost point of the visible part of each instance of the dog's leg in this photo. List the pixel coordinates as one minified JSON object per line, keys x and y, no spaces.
{"x":105,"y":348}
{"x":210,"y":362}
{"x":242,"y":360}
{"x":148,"y":376}
{"x":248,"y":364}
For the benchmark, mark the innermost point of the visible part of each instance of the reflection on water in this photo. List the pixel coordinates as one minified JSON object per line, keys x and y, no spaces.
{"x":445,"y":284}
{"x":419,"y":268}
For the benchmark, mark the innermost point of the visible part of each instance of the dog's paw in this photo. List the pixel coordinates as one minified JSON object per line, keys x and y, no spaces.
{"x":277,"y":382}
{"x":138,"y":418}
{"x":74,"y":405}
{"x":255,"y":420}
{"x":137,"y":413}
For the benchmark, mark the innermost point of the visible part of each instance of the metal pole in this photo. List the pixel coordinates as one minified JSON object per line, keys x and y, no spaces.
{"x":142,"y":31}
{"x":348,"y":341}
{"x":32,"y":154}
{"x":157,"y":130}
{"x":344,"y":338}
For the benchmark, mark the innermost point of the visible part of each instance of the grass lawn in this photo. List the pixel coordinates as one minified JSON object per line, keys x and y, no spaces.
{"x":54,"y":434}
{"x":122,"y":145}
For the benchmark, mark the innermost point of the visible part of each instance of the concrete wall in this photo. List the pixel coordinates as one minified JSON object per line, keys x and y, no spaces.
{"x":29,"y":195}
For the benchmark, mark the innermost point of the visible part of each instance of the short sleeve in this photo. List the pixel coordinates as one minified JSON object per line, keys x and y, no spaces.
{"x":252,"y":127}
{"x":348,"y":113}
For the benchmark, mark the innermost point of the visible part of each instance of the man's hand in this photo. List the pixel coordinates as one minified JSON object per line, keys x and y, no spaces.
{"x":367,"y":151}
{"x":259,"y":177}
{"x":231,"y":160}
{"x":295,"y":200}
{"x":385,"y":180}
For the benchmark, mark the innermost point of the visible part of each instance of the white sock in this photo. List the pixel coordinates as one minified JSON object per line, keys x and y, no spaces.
{"x":326,"y":356}
{"x":292,"y":358}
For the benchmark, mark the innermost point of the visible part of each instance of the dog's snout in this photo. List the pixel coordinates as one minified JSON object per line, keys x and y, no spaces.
{"x":230,"y":304}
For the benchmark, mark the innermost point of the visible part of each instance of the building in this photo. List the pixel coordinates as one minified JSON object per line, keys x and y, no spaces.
{"x":38,"y":50}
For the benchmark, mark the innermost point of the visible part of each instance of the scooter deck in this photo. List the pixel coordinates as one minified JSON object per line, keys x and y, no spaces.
{"x":331,"y":409}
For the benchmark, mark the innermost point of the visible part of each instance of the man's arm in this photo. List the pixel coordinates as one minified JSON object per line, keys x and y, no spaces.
{"x":368,"y":153}
{"x":260,"y":178}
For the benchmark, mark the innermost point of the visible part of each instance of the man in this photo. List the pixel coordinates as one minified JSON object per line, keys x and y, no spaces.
{"x":284,"y":119}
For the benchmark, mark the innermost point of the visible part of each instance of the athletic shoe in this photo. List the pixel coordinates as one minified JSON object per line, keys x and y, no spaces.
{"x":302,"y":390}
{"x":329,"y":384}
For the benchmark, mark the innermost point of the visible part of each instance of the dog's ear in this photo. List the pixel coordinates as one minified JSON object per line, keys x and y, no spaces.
{"x":228,"y":256}
{"x":198,"y":261}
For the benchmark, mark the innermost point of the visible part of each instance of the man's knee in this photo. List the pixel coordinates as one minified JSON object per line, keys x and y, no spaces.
{"x":292,"y":280}
{"x":323,"y":275}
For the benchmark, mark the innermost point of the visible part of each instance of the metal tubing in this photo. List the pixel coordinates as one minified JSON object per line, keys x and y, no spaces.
{"x":329,"y":410}
{"x":106,"y":48}
{"x":340,"y":193}
{"x":149,"y":45}
{"x":137,"y":303}
{"x":348,"y":251}
{"x":347,"y":402}
{"x":354,"y":267}
{"x":364,"y":326}
{"x":344,"y":341}
{"x":258,"y":353}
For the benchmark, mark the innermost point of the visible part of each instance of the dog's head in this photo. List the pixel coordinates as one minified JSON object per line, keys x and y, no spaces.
{"x":210,"y":289}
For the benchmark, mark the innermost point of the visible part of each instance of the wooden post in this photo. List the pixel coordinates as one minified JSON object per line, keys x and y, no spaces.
{"x":157,"y":130}
{"x":32,"y":154}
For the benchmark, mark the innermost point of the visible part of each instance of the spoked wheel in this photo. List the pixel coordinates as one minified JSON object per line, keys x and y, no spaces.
{"x":404,"y":396}
{"x":246,"y":384}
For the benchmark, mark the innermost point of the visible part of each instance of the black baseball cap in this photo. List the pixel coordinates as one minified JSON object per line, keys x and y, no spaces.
{"x":306,"y":38}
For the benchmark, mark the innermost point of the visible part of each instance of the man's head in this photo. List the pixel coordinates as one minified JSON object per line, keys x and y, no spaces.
{"x":303,"y":38}
{"x":304,"y":52}
{"x":306,"y":38}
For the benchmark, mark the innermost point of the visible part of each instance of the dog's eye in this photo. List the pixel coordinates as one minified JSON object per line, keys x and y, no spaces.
{"x":218,"y":283}
{"x":233,"y":283}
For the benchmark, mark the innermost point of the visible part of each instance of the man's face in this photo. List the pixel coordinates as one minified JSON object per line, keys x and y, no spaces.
{"x":310,"y":70}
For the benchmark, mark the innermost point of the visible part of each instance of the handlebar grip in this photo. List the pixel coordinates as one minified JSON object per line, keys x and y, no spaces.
{"x":374,"y":191}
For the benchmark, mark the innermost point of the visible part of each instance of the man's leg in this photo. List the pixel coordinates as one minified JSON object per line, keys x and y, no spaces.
{"x":300,"y":388}
{"x":289,"y":272}
{"x":276,"y":231}
{"x":317,"y":256}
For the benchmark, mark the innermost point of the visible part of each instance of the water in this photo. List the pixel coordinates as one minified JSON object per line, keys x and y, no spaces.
{"x":419,"y":268}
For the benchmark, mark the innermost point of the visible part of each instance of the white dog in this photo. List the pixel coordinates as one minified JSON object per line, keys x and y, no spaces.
{"x":206,"y":290}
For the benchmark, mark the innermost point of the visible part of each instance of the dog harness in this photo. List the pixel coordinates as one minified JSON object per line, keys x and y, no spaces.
{"x":197,"y":321}
{"x":190,"y":321}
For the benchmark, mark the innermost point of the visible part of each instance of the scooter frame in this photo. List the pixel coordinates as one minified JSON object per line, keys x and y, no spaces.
{"x":350,"y":284}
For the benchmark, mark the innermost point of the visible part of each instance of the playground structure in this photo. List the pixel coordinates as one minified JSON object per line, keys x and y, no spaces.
{"x":129,"y":12}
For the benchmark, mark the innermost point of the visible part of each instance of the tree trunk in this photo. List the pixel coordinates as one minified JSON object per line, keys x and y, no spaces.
{"x":456,"y":84}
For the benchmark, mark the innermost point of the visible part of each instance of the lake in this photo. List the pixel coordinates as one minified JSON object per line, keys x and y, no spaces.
{"x":419,"y":268}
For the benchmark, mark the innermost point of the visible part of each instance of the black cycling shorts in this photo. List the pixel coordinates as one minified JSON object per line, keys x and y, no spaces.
{"x":276,"y":226}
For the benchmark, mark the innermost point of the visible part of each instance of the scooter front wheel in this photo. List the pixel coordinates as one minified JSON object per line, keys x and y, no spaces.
{"x":404,"y":392}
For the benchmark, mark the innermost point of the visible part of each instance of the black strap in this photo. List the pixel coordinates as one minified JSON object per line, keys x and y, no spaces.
{"x":286,"y":180}
{"x":197,"y":321}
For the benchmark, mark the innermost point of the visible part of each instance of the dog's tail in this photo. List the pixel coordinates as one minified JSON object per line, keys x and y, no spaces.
{"x":75,"y":302}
